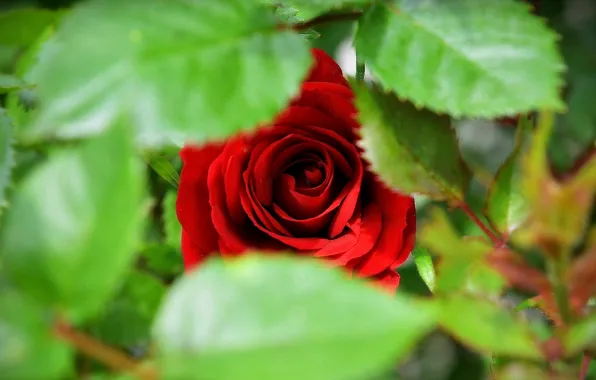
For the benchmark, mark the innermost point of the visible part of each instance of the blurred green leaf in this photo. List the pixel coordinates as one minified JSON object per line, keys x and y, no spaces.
{"x":487,"y":327}
{"x":163,"y":167}
{"x":289,"y":15}
{"x":580,"y":336}
{"x":278,"y":317}
{"x":9,"y":83}
{"x":311,"y":8}
{"x":524,"y":371}
{"x":74,"y":223}
{"x":170,"y":66}
{"x":425,"y":266}
{"x":424,"y":145}
{"x":462,"y":262}
{"x":28,"y":349}
{"x":170,"y":219}
{"x":559,"y":210}
{"x":6,"y":155}
{"x":426,"y":52}
{"x":163,"y":260}
{"x":505,"y":204}
{"x":20,"y":27}
{"x":126,"y":321}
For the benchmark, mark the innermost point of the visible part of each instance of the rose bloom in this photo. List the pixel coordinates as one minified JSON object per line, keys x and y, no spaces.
{"x":299,"y":185}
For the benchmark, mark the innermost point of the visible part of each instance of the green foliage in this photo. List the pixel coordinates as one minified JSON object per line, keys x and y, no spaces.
{"x":98,"y":96}
{"x":26,"y":338}
{"x":169,"y":66}
{"x":20,"y":27}
{"x":6,"y":155}
{"x":506,"y":205}
{"x":76,"y":216}
{"x":464,"y":57}
{"x":423,"y":143}
{"x":236,"y":313}
{"x":488,"y":327}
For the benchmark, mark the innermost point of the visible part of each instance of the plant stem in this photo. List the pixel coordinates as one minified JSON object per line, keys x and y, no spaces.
{"x":360,"y":69}
{"x":111,"y":357}
{"x":497,"y":240}
{"x":333,"y":17}
{"x":556,"y":271}
{"x":583,"y":374}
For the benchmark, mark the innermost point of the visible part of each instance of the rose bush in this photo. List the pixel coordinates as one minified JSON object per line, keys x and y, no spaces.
{"x":299,"y":184}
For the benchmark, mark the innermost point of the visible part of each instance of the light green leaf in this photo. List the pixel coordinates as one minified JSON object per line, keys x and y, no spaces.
{"x":463,"y":57}
{"x":580,"y":336}
{"x":425,"y":266}
{"x":20,"y":27}
{"x":74,"y":222}
{"x":180,"y":69}
{"x":278,"y":317}
{"x":487,"y":327}
{"x":163,"y":167}
{"x":424,"y":145}
{"x":6,"y":155}
{"x":170,"y":219}
{"x":289,"y":16}
{"x":9,"y":83}
{"x":311,"y":8}
{"x":506,"y":205}
{"x":28,"y":349}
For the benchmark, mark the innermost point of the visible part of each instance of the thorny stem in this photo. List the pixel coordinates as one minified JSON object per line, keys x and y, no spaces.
{"x":111,"y":357}
{"x":497,"y":240}
{"x":324,"y":19}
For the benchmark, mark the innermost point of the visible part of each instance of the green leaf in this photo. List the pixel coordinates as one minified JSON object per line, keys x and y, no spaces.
{"x":180,"y":69}
{"x":424,"y":145}
{"x":425,"y":266}
{"x":580,"y":336}
{"x":163,"y":260}
{"x":163,"y":167}
{"x":311,"y":8}
{"x":6,"y":155}
{"x":289,"y":15}
{"x":74,"y":222}
{"x":463,"y":57}
{"x":276,"y":317}
{"x":9,"y":83}
{"x":28,"y":350}
{"x":487,"y":327}
{"x":20,"y":27}
{"x":170,"y":219}
{"x":506,"y":205}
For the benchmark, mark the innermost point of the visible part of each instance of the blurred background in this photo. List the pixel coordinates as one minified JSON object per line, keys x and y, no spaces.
{"x":485,"y":145}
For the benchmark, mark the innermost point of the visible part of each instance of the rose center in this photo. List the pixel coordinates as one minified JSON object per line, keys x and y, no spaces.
{"x":307,"y":174}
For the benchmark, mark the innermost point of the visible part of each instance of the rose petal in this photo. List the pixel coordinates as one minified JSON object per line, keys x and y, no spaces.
{"x":389,"y":247}
{"x":388,"y":280}
{"x":325,"y":69}
{"x":193,"y":196}
{"x":192,"y":255}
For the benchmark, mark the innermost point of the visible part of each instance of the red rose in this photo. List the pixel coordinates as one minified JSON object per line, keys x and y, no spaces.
{"x":299,"y":185}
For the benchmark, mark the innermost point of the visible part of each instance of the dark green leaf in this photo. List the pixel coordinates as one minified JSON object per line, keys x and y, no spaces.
{"x":277,"y":317}
{"x":463,"y":57}
{"x":487,"y":327}
{"x":20,"y":27}
{"x":28,"y":349}
{"x":163,"y":167}
{"x":506,"y":205}
{"x":170,"y":220}
{"x":311,"y":8}
{"x":179,"y":69}
{"x":163,"y":260}
{"x":74,"y":223}
{"x":6,"y":155}
{"x":426,"y":269}
{"x":424,"y":145}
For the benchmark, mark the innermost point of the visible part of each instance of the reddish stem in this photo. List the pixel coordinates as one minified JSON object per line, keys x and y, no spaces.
{"x":497,"y":241}
{"x":111,"y":357}
{"x":584,"y":368}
